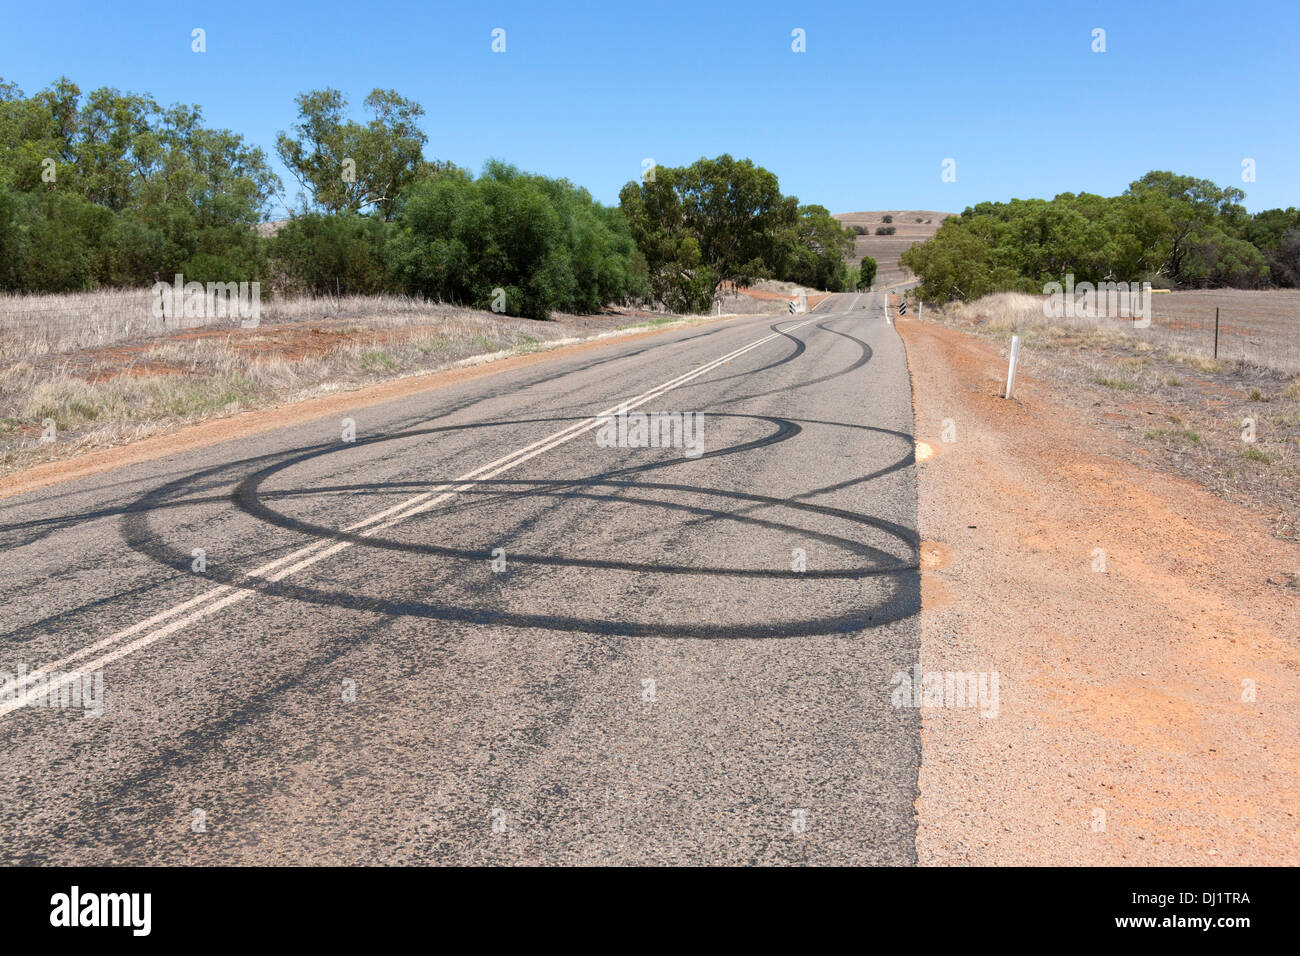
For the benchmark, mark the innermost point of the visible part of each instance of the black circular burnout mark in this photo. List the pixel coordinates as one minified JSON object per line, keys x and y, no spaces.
{"x":247,"y":497}
{"x":252,"y":504}
{"x":903,"y":600}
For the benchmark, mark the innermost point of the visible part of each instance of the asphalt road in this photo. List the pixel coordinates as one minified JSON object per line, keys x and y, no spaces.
{"x":642,"y":674}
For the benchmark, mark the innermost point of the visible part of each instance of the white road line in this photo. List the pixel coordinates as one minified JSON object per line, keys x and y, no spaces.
{"x":227,"y":594}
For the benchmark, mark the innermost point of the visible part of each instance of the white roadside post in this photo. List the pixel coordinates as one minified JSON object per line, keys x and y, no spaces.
{"x":1011,"y":366}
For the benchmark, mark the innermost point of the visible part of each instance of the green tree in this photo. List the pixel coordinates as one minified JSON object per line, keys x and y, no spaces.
{"x":715,"y":221}
{"x":125,"y":152}
{"x":1165,"y":228}
{"x":1284,"y":259}
{"x":35,"y":129}
{"x":816,"y":245}
{"x":960,"y":265}
{"x":867,"y":273}
{"x":1224,"y":261}
{"x":350,"y":166}
{"x":1187,"y":211}
{"x":542,"y":242}
{"x":1273,"y":232}
{"x":55,"y":240}
{"x":122,"y":187}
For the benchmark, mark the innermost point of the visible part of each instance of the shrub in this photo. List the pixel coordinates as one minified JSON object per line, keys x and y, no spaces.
{"x":206,"y":267}
{"x":131,"y":254}
{"x":56,"y":238}
{"x":322,"y":254}
{"x":524,"y":243}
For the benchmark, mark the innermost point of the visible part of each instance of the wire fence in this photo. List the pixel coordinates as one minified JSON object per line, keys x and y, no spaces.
{"x":1259,"y":328}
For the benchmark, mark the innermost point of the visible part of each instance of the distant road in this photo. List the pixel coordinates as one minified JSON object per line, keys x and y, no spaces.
{"x":646,"y":676}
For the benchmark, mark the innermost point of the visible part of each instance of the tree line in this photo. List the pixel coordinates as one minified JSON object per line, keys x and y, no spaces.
{"x":113,"y":189}
{"x":1171,"y":230}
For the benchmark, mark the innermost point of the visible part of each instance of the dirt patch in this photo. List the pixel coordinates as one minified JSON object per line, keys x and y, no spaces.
{"x":1148,"y":658}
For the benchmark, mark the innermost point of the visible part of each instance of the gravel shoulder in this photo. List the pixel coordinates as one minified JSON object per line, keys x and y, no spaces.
{"x":1126,"y":732}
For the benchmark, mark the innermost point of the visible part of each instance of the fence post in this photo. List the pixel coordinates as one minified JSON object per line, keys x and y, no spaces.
{"x":1216,"y":331}
{"x":1011,"y":366}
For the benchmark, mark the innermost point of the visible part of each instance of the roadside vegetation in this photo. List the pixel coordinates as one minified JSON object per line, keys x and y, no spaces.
{"x":725,"y":221}
{"x":390,"y":264}
{"x":98,"y":397}
{"x":1170,"y":230}
{"x":114,"y":190}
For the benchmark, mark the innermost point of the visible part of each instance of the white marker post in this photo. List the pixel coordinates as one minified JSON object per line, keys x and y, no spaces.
{"x":1011,"y":366}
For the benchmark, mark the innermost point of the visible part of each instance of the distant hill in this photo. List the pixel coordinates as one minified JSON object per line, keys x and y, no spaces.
{"x":269,"y":229}
{"x":886,"y":249}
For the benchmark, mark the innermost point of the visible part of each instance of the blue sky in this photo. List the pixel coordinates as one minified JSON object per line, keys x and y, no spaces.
{"x":862,"y":120}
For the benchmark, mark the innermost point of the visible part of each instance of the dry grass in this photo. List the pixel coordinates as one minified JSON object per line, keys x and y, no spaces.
{"x":1121,"y":377}
{"x":1199,"y":362}
{"x":188,"y":380}
{"x":131,"y":389}
{"x":1115,"y":381}
{"x":32,"y":325}
{"x":36,"y":325}
{"x":1002,"y":312}
{"x":740,"y":304}
{"x":1258,"y":328}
